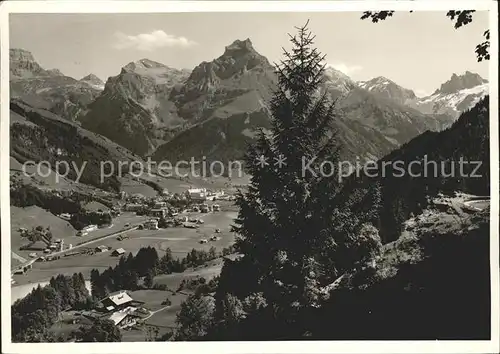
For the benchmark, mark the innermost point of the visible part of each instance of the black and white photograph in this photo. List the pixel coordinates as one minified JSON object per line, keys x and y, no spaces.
{"x":242,"y":172}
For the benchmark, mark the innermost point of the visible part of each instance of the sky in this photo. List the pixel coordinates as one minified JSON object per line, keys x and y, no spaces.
{"x":418,"y":50}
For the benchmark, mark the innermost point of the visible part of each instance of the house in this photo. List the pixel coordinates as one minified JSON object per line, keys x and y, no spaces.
{"x":117,"y":301}
{"x":197,"y":194}
{"x":159,"y":213}
{"x":125,"y":317}
{"x":181,"y":219}
{"x":65,"y":216}
{"x":118,"y":252}
{"x":82,"y":233}
{"x":151,"y":224}
{"x":160,"y":205}
{"x":101,"y":248}
{"x":89,"y":228}
{"x":205,"y":208}
{"x":134,"y":207}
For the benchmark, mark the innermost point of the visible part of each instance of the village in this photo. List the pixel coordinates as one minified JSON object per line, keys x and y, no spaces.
{"x":179,"y":223}
{"x":130,"y":217}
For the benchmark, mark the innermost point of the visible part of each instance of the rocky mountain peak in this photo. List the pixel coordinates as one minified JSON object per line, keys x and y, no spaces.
{"x":18,"y":55}
{"x":336,"y":82}
{"x":387,"y":88}
{"x":142,"y":64}
{"x":23,"y":64}
{"x":239,"y":60}
{"x":239,"y":47}
{"x":93,"y":79}
{"x":55,"y":72}
{"x":460,"y":82}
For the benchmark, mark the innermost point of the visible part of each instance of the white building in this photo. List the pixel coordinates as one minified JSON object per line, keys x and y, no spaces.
{"x":65,"y":216}
{"x":117,"y":301}
{"x":197,"y":193}
{"x":90,"y":228}
{"x":133,"y":207}
{"x":124,"y":318}
{"x":160,"y":205}
{"x":159,"y":213}
{"x":101,"y":248}
{"x":151,"y":224}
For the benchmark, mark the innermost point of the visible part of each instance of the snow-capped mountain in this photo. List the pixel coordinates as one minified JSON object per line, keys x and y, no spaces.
{"x":384,"y":87}
{"x":337,"y":83}
{"x":458,"y":94}
{"x":94,"y":81}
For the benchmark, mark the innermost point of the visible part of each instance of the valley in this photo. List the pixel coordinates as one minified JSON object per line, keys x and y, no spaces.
{"x":103,"y":250}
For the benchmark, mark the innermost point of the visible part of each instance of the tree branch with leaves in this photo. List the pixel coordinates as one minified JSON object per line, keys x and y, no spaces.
{"x":459,"y":17}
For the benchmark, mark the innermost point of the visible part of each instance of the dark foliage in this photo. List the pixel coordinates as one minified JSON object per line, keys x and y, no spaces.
{"x":33,"y":315}
{"x":145,"y":264}
{"x":446,"y":296}
{"x":100,"y":331}
{"x":85,"y":218}
{"x":438,"y":170}
{"x":27,"y":195}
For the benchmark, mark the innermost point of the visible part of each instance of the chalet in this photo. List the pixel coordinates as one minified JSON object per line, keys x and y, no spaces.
{"x":134,"y":207}
{"x":101,"y":248}
{"x":159,"y":213}
{"x":125,"y":317}
{"x":117,"y":301}
{"x":160,"y":205}
{"x":199,"y":194}
{"x":118,"y":252}
{"x":151,"y":224}
{"x":90,"y":228}
{"x":65,"y":216}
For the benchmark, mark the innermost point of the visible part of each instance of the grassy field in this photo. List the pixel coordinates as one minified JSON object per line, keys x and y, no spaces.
{"x":61,"y":229}
{"x":34,"y":216}
{"x":180,"y":240}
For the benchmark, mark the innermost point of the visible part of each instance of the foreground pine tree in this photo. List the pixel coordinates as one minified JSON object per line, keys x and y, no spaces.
{"x":287,"y":222}
{"x":294,"y":240}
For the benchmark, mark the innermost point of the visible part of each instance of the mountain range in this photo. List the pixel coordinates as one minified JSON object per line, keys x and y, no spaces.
{"x":216,"y":109}
{"x":50,"y":89}
{"x":458,"y":94}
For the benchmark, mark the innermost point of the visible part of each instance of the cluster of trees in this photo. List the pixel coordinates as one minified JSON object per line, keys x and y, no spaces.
{"x":199,"y":285}
{"x":83,"y":218}
{"x":126,"y":274}
{"x":38,"y":234}
{"x":101,"y":330}
{"x":25,"y":195}
{"x":33,"y":315}
{"x":445,"y":296}
{"x":145,"y":265}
